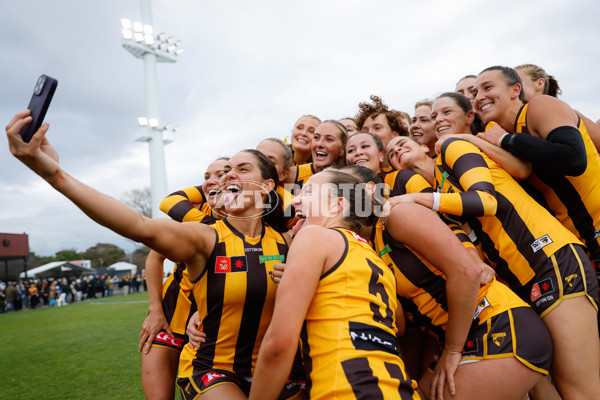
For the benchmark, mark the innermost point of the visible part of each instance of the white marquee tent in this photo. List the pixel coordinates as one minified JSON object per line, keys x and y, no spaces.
{"x":60,"y":268}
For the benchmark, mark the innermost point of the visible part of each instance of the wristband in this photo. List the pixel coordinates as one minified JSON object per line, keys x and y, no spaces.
{"x":436,"y":201}
{"x":472,"y":236}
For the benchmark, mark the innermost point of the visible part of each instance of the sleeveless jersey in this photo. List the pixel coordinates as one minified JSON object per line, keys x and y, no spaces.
{"x":177,"y":299}
{"x":421,"y":288}
{"x":516,"y":233}
{"x":349,"y":334}
{"x":304,"y":172}
{"x":235,"y":298}
{"x":574,"y":200}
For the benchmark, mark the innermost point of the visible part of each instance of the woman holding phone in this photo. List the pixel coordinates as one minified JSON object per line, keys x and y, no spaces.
{"x":214,"y":254}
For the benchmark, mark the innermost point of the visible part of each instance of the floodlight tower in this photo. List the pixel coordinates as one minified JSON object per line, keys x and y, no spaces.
{"x":140,"y":40}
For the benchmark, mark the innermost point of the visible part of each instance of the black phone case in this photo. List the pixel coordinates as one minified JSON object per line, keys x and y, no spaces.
{"x":40,"y":101}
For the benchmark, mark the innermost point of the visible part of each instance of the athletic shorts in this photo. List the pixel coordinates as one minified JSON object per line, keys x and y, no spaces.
{"x":518,"y":332}
{"x":596,"y":265}
{"x":201,"y":381}
{"x":178,"y":307}
{"x":163,"y":339}
{"x":567,"y":273}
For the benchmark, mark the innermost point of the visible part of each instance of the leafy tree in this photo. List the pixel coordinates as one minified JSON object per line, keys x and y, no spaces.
{"x":139,"y":257}
{"x":140,"y":200}
{"x":104,"y":255}
{"x":67,"y":255}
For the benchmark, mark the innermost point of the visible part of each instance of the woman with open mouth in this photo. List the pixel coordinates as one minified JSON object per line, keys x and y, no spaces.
{"x":229,"y":262}
{"x":163,"y":336}
{"x":339,"y":298}
{"x":327,"y":148}
{"x":540,"y":260}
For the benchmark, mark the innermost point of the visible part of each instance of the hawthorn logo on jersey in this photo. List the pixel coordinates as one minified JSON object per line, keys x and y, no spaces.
{"x":498,"y":338}
{"x":541,"y":288}
{"x":225,"y":265}
{"x":540,"y":243}
{"x":211,"y":376}
{"x":483,"y":304}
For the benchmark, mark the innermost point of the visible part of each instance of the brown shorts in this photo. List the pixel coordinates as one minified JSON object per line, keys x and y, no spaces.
{"x":518,"y":332}
{"x":567,"y":273}
{"x":201,"y":381}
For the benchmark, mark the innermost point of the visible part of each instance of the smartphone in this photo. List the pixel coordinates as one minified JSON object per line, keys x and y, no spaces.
{"x":40,"y":101}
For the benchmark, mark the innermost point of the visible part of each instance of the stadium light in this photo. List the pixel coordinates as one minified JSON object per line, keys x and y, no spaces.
{"x":140,"y":40}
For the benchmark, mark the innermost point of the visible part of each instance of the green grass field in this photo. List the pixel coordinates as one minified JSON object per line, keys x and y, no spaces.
{"x":85,"y":350}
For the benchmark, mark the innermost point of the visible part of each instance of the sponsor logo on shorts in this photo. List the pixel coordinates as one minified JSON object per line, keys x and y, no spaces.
{"x":569,"y":279}
{"x":225,"y":265}
{"x":210,"y":377}
{"x":540,"y":243}
{"x":164,"y":337}
{"x":472,"y":346}
{"x":541,"y":288}
{"x":483,"y":304}
{"x":498,"y":338}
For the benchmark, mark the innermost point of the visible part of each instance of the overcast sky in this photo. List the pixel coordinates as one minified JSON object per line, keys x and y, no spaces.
{"x":248,"y":71}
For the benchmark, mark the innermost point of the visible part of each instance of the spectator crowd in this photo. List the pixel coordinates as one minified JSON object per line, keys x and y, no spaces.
{"x":45,"y":292}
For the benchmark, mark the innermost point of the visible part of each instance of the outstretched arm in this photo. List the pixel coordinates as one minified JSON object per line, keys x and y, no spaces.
{"x":172,"y":239}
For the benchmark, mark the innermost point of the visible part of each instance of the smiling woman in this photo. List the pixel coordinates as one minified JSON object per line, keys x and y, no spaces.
{"x":327,"y":148}
{"x":224,"y":260}
{"x":339,"y":299}
{"x":365,"y":149}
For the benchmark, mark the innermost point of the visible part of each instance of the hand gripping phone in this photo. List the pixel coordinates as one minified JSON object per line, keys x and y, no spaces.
{"x":40,"y":101}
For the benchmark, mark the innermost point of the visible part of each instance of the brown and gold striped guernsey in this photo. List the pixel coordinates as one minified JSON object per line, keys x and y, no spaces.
{"x":179,"y":206}
{"x":349,"y":334}
{"x":235,"y":298}
{"x":304,"y":172}
{"x":421,"y":288}
{"x":520,"y":235}
{"x":574,"y":200}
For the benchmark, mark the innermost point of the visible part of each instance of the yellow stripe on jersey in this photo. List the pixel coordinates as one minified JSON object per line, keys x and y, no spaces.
{"x":424,"y":286}
{"x":180,"y":206}
{"x":235,"y":298}
{"x":406,"y":181}
{"x":467,"y":165}
{"x":350,"y":330}
{"x":574,"y":200}
{"x":520,"y":234}
{"x":288,"y":209}
{"x":305,"y":171}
